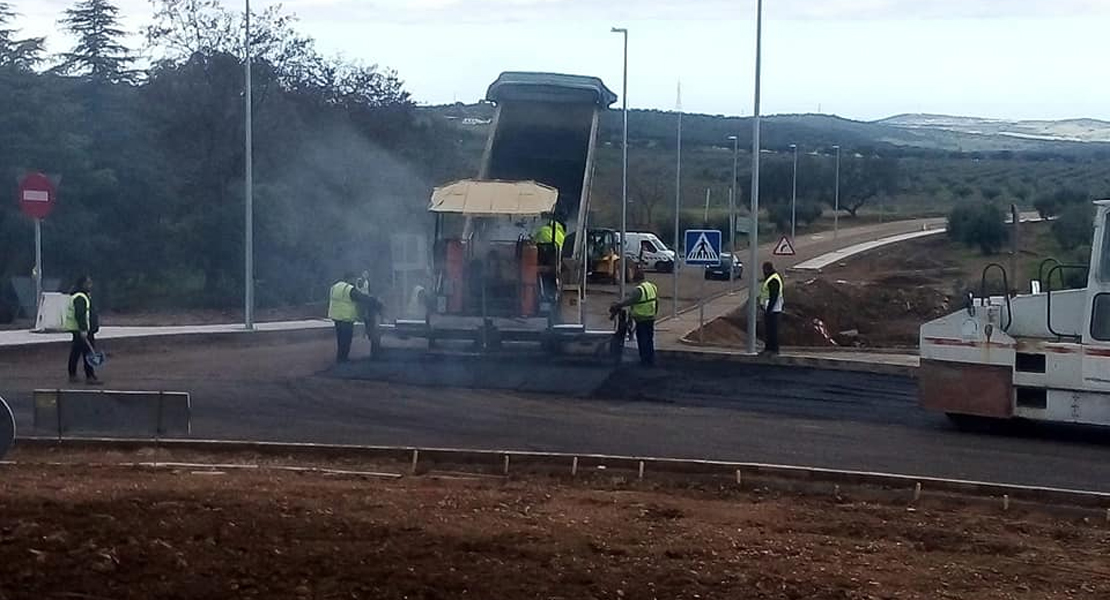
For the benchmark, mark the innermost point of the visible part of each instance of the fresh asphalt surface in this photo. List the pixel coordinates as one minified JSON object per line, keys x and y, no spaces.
{"x":283,"y":387}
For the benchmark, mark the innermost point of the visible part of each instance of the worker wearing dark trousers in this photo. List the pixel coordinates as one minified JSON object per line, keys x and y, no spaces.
{"x":81,"y":320}
{"x":771,"y":300}
{"x":343,"y":310}
{"x":644,"y":304}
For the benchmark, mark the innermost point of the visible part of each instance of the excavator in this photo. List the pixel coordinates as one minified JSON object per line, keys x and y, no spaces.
{"x":603,"y":257}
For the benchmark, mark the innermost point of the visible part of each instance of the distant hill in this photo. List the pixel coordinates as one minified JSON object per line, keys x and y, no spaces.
{"x":901,"y":135}
{"x":1066,"y":130}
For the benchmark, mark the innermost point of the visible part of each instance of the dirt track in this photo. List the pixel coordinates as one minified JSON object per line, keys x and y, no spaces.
{"x":122,"y":533}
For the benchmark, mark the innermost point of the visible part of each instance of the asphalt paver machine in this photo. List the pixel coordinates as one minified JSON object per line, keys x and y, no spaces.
{"x":492,"y":281}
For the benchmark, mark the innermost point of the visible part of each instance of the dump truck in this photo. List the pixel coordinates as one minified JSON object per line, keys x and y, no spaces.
{"x":492,"y":281}
{"x":1041,"y":356}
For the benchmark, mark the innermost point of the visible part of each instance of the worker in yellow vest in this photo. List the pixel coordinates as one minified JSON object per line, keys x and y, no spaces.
{"x":81,"y":320}
{"x":643,"y":302}
{"x":344,"y":304}
{"x":771,"y":301}
{"x":551,"y":231}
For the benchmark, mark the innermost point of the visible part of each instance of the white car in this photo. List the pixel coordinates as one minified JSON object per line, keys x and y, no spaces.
{"x":647,"y":249}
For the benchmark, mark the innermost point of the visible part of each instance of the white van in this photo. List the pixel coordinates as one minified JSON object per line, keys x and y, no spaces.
{"x":649,"y":251}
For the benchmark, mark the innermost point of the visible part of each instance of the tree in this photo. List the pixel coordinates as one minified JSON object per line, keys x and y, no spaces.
{"x":864,"y":179}
{"x":978,"y":225}
{"x":806,"y":213}
{"x":183,"y":28}
{"x":1073,"y":226}
{"x":646,"y":194}
{"x":1050,"y":205}
{"x":21,"y":54}
{"x":98,"y":52}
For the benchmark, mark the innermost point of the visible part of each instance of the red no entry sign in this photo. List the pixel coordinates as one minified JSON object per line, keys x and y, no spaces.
{"x":36,"y":196}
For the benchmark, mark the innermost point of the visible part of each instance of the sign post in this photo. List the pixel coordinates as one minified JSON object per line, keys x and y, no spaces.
{"x":703,"y":249}
{"x":36,"y":200}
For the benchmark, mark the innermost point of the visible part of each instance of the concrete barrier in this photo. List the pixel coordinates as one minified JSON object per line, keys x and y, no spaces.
{"x":109,"y":412}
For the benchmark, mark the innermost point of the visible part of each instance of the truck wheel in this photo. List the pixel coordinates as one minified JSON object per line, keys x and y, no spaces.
{"x":664,"y":266}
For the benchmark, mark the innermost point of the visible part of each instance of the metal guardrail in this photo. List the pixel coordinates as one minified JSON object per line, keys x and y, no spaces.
{"x":108,"y":412}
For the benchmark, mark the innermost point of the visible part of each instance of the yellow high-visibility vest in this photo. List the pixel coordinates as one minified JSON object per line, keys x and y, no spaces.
{"x":548,"y":234}
{"x":70,"y":320}
{"x":340,"y":306}
{"x":648,"y":306}
{"x":765,"y":293}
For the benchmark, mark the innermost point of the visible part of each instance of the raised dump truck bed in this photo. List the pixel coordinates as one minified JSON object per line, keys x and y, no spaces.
{"x":545,"y":130}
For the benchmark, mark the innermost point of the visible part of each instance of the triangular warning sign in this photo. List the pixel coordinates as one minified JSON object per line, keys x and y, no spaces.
{"x":784,"y":247}
{"x":702,"y":251}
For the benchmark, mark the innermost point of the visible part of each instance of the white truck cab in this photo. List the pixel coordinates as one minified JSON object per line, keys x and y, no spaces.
{"x":647,"y":249}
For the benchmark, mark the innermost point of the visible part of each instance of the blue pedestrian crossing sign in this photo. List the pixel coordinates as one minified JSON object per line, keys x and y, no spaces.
{"x":703,"y":247}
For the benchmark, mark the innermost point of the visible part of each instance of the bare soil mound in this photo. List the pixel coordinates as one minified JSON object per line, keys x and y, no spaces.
{"x":825,"y":313}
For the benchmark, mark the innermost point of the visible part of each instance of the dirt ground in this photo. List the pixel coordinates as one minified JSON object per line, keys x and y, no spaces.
{"x":123,"y":532}
{"x":879,"y":299}
{"x":827,"y":312}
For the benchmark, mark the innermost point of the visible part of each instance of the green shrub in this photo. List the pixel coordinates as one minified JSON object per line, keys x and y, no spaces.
{"x":978,"y":225}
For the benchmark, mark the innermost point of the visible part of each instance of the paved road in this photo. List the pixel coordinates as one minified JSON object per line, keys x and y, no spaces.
{"x":279,"y":387}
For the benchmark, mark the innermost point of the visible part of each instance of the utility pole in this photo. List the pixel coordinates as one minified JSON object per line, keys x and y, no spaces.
{"x":677,"y":198}
{"x":753,"y":237}
{"x":732,"y":202}
{"x":624,"y":165}
{"x":248,"y":176}
{"x":794,"y":198}
{"x":705,"y":217}
{"x":836,"y":202}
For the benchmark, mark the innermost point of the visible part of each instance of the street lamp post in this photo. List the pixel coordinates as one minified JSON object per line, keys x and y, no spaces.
{"x":732,"y":202}
{"x":677,"y":198}
{"x":836,"y":201}
{"x":794,"y":197}
{"x":753,"y":235}
{"x":624,"y":165}
{"x":248,"y":178}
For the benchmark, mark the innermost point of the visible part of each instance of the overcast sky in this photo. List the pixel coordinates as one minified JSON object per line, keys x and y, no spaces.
{"x":863,"y":59}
